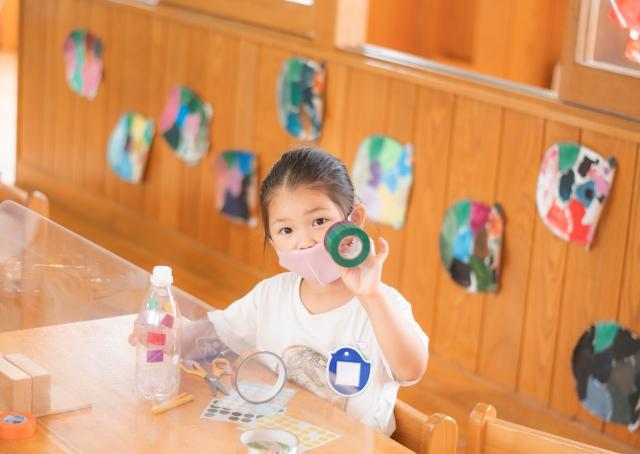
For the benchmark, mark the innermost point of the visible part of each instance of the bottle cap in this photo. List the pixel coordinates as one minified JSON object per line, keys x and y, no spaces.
{"x":161,"y":276}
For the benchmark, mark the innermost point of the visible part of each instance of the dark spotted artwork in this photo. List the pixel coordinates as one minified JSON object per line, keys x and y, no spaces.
{"x":606,"y":369}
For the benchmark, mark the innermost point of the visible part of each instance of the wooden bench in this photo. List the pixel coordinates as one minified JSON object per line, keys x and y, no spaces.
{"x":486,"y":434}
{"x":424,"y":434}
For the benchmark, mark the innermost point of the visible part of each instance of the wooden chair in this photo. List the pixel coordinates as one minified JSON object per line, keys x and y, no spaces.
{"x":488,"y":435}
{"x":35,"y":201}
{"x":424,"y":434}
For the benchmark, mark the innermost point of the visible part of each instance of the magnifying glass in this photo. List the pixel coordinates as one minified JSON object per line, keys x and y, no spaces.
{"x":259,"y":376}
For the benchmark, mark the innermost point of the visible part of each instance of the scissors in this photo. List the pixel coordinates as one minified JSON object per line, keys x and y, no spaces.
{"x":194,"y":368}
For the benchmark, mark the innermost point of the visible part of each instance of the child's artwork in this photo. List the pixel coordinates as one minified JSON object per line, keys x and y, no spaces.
{"x":83,"y":58}
{"x":185,"y":124}
{"x":573,"y":184}
{"x":470,"y":244}
{"x":129,"y":144}
{"x":301,"y":98}
{"x":237,"y":186}
{"x":309,"y":436}
{"x":606,"y":369}
{"x":382,"y":179}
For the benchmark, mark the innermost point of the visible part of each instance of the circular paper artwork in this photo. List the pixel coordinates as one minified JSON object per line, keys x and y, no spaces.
{"x":185,"y":124}
{"x":301,"y":98}
{"x":470,"y":244}
{"x":129,"y":146}
{"x":382,"y":178}
{"x":573,"y":185}
{"x":83,"y":59}
{"x":606,"y":369}
{"x":237,"y":186}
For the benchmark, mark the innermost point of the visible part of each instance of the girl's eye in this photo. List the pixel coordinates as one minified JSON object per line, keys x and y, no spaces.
{"x":319,"y":221}
{"x":285,"y":231}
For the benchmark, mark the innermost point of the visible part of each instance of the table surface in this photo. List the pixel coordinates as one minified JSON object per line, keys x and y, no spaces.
{"x":91,"y":361}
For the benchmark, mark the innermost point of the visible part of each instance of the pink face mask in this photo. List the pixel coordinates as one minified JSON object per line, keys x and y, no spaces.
{"x":313,"y":263}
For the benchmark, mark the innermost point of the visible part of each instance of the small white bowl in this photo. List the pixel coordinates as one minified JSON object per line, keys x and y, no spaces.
{"x":269,"y":441}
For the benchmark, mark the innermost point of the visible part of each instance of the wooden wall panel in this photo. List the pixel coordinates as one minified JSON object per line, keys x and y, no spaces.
{"x":469,"y":142}
{"x":544,"y":293}
{"x":373,"y":91}
{"x":97,"y":129}
{"x":176,"y":64}
{"x":422,"y":265}
{"x":399,"y":124}
{"x":516,"y":184}
{"x":156,"y":98}
{"x":593,"y":277}
{"x":195,"y":78}
{"x":471,"y":175}
{"x":629,"y":308}
{"x":32,"y":56}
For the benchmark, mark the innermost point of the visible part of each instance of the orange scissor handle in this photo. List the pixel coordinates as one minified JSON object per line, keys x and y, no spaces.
{"x":193,"y":368}
{"x":220,"y":367}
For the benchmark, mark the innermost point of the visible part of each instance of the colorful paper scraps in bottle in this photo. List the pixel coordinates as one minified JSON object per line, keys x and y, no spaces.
{"x":471,"y":243}
{"x":83,"y":59}
{"x":382,"y":178}
{"x":573,"y":185}
{"x":129,"y":146}
{"x":606,"y":369}
{"x":626,"y":15}
{"x":185,"y":124}
{"x":301,"y":98}
{"x":155,"y":356}
{"x":237,"y":186}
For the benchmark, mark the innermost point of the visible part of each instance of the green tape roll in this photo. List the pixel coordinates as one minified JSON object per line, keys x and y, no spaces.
{"x":347,"y":244}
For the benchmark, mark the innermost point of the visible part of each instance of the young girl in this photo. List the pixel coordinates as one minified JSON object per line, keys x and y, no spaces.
{"x":302,"y":319}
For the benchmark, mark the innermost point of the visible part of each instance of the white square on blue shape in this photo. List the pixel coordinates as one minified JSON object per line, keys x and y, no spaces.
{"x":347,"y":374}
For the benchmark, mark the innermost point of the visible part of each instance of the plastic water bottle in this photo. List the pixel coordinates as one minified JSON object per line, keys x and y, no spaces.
{"x":158,"y":350}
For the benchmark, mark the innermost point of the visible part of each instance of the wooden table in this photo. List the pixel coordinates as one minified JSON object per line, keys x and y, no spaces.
{"x":92,"y":360}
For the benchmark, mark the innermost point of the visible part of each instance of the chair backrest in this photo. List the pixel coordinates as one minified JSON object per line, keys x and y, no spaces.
{"x":35,"y":201}
{"x":424,"y":434}
{"x":486,"y":434}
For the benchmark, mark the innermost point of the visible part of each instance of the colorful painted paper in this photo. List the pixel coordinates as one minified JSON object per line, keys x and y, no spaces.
{"x":237,"y":186}
{"x":83,"y":58}
{"x":301,"y":98}
{"x":470,"y":244}
{"x":382,"y":178}
{"x":573,"y":185}
{"x":155,"y":356}
{"x":129,"y":146}
{"x":606,"y":369}
{"x":185,"y":124}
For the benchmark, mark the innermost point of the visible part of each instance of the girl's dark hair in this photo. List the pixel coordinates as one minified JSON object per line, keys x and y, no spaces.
{"x":309,"y":167}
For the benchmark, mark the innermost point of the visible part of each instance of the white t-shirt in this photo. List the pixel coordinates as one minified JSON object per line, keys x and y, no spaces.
{"x":272,"y":317}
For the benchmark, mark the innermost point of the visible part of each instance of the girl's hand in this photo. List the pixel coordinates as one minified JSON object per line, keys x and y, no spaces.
{"x":365,"y":280}
{"x":135,"y":336}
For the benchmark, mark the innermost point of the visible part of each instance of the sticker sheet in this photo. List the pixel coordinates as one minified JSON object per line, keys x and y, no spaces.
{"x":606,"y":369}
{"x":233,"y":408}
{"x":237,"y":186}
{"x":471,"y":243}
{"x":301,"y":98}
{"x":185,"y":124}
{"x":129,"y":145}
{"x":83,"y":59}
{"x":382,"y":178}
{"x":573,"y":184}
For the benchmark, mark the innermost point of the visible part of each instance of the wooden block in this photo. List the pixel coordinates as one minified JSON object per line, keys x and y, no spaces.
{"x":41,"y":382}
{"x":15,"y":388}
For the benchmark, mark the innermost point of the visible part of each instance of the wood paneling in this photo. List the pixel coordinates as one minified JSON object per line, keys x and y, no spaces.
{"x":471,"y":140}
{"x":472,"y":169}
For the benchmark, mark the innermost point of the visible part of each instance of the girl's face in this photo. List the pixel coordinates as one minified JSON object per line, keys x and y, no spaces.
{"x":299,"y":218}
